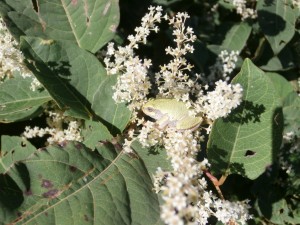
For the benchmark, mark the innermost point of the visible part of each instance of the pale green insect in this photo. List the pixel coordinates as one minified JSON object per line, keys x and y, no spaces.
{"x":171,"y":113}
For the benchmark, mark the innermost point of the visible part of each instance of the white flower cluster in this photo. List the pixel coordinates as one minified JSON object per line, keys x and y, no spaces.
{"x":224,"y":66}
{"x":186,"y":200}
{"x":184,"y":188}
{"x":228,"y":61}
{"x":227,"y":211}
{"x":11,"y":58}
{"x":174,"y":73}
{"x":242,"y":9}
{"x":72,"y":133}
{"x":133,"y":83}
{"x":221,"y":101}
{"x":56,"y":120}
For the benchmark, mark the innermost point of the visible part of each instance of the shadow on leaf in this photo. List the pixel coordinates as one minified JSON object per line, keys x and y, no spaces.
{"x":219,"y":162}
{"x":11,"y":196}
{"x":270,"y":23}
{"x":269,"y":2}
{"x":246,"y":112}
{"x":62,"y":68}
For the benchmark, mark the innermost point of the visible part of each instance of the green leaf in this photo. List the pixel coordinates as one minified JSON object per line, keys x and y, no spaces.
{"x":94,"y":132}
{"x":88,"y":24}
{"x":281,"y":62}
{"x":153,"y":158}
{"x":246,"y":141}
{"x":277,"y":21}
{"x":282,"y":86}
{"x":69,"y":73}
{"x":73,"y":78}
{"x":236,"y":38}
{"x":117,"y":114}
{"x":70,"y":184}
{"x":282,"y":213}
{"x":17,"y":101}
{"x":13,"y":149}
{"x":277,"y":210}
{"x":291,"y":112}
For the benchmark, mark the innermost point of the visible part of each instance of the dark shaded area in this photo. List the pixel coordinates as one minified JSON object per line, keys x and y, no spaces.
{"x":267,"y":191}
{"x":73,"y":168}
{"x":236,"y":187}
{"x":35,"y":5}
{"x":24,"y":174}
{"x":237,"y":168}
{"x":270,"y":23}
{"x":17,"y":128}
{"x":219,"y":159}
{"x":154,"y":150}
{"x":11,"y":196}
{"x":61,"y":68}
{"x":249,"y":153}
{"x":277,"y":129}
{"x":246,"y":112}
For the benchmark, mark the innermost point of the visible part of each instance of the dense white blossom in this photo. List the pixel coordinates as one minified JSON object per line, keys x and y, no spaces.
{"x":221,"y":101}
{"x":11,"y":58}
{"x":183,"y":189}
{"x":133,"y":82}
{"x":224,"y":66}
{"x":174,"y":74}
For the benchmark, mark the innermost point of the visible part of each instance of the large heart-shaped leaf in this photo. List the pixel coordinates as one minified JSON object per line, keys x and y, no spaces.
{"x":70,"y":184}
{"x":88,"y":24}
{"x":246,"y":141}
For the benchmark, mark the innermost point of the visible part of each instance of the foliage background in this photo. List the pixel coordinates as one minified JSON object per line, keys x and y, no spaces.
{"x":93,"y":181}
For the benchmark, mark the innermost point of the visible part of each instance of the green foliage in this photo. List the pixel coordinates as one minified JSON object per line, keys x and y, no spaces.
{"x":95,"y":182}
{"x":21,"y":104}
{"x":249,"y":135}
{"x":237,"y":37}
{"x":277,"y":21}
{"x":98,"y":189}
{"x":104,"y":106}
{"x":88,"y":25}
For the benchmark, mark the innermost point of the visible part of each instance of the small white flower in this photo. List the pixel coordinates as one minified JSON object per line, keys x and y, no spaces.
{"x":242,"y":9}
{"x":55,"y":130}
